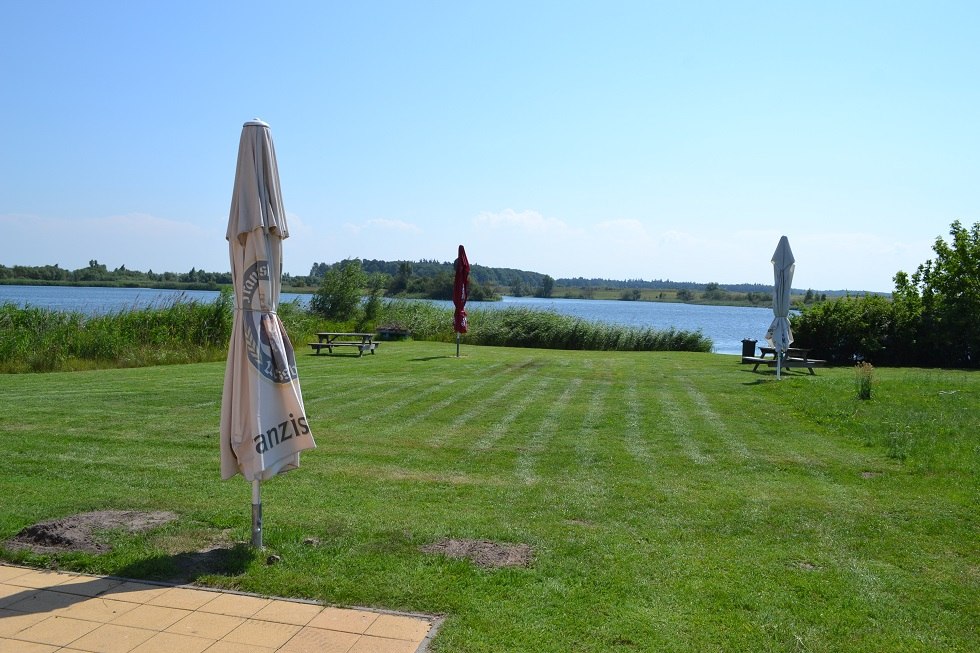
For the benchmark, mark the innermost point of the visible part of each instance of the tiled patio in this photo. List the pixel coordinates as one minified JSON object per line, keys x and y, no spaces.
{"x":43,"y":611}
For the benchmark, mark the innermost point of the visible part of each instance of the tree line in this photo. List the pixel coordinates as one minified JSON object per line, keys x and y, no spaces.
{"x":96,"y":273}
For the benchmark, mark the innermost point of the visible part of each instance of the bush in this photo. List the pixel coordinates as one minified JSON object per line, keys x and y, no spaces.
{"x":849,"y":329}
{"x":339,"y":295}
{"x":932,"y":319}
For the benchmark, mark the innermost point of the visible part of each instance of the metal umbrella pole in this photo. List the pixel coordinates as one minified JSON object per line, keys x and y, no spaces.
{"x":257,"y":514}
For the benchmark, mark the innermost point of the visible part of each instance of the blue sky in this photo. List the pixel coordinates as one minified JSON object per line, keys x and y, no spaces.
{"x":607,"y":139}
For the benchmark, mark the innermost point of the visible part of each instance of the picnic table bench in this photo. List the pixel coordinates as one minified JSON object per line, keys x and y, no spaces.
{"x":795,"y":357}
{"x":330,"y":339}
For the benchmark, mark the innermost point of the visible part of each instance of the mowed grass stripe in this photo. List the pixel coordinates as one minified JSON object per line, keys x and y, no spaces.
{"x":712,"y":420}
{"x":469,"y":407}
{"x":501,"y":424}
{"x":468,"y":424}
{"x":678,"y":424}
{"x":535,"y":444}
{"x":634,"y":439}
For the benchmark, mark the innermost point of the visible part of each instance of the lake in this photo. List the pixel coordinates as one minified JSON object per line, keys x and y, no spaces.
{"x":725,"y":325}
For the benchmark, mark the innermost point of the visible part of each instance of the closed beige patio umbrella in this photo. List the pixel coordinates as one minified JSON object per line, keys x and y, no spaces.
{"x":780,"y":335}
{"x":263,"y":421}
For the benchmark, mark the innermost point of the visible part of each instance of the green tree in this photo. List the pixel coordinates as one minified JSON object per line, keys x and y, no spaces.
{"x":546,"y":287}
{"x":945,"y":290}
{"x":713,"y":291}
{"x":339,"y":294}
{"x":376,"y":284}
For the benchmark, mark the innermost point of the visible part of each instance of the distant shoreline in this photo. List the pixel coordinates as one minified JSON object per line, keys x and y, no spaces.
{"x":560,"y":293}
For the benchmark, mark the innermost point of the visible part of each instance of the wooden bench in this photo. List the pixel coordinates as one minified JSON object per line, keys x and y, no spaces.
{"x":328,"y":340}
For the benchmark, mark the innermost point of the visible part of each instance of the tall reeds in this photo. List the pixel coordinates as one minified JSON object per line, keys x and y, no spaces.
{"x":523,"y":327}
{"x":42,"y":340}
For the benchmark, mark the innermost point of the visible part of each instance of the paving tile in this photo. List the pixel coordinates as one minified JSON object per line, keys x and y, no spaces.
{"x":151,"y":617}
{"x":57,"y":630}
{"x":13,"y":645}
{"x":232,"y":647}
{"x":43,"y":601}
{"x":206,"y":624}
{"x":136,"y":592}
{"x":262,"y":633}
{"x":289,"y":612}
{"x":42,"y":611}
{"x":36,"y":579}
{"x":318,"y":640}
{"x":369,"y":644}
{"x":399,"y":627}
{"x":12,"y":622}
{"x":349,"y":621}
{"x":87,"y":585}
{"x":12,"y":593}
{"x":110,"y":638}
{"x":10,"y":572}
{"x":95,"y":609}
{"x":236,"y":605}
{"x":173,"y":643}
{"x":185,"y":598}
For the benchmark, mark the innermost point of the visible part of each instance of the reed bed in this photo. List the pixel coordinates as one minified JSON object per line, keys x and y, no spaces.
{"x":36,"y":339}
{"x":523,"y":327}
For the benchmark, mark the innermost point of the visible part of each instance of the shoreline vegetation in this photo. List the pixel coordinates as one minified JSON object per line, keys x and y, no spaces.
{"x":36,"y":339}
{"x":929,"y":320}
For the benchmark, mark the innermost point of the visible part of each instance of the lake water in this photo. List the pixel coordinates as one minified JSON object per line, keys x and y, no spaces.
{"x":725,"y":325}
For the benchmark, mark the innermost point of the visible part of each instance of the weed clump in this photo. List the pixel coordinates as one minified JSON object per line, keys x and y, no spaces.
{"x":864,"y":374}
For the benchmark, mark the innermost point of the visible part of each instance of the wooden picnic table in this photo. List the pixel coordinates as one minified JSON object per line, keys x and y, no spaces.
{"x":795,"y":357}
{"x":330,"y":339}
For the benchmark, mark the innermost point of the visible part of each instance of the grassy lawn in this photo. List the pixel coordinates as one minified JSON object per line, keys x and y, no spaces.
{"x":673,"y":501}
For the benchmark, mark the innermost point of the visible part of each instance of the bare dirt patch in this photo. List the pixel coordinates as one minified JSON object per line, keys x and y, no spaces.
{"x":84,"y":532}
{"x":483,"y":553}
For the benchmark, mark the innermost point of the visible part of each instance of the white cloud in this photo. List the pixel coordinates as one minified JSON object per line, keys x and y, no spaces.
{"x":526,"y":222}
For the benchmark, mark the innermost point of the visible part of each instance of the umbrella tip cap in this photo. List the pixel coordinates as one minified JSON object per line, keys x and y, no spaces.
{"x":258,"y":122}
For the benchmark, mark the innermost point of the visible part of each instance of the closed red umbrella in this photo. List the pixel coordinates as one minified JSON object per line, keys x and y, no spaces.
{"x":461,"y":289}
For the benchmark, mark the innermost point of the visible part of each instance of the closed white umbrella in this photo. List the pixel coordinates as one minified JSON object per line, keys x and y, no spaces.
{"x":263,"y":422}
{"x":780,"y":336}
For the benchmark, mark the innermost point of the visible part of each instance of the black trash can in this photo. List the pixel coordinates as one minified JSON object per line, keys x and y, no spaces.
{"x":748,"y":348}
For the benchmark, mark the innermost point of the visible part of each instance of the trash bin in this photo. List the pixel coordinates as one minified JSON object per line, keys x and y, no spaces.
{"x":748,"y":348}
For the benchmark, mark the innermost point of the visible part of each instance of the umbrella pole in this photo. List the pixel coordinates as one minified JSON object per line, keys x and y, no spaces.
{"x":256,"y":514}
{"x":457,"y":344}
{"x":779,"y":365}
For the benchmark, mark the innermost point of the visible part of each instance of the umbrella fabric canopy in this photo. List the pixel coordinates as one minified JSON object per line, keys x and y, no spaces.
{"x":263,"y":422}
{"x":461,"y":288}
{"x":783,"y":265}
